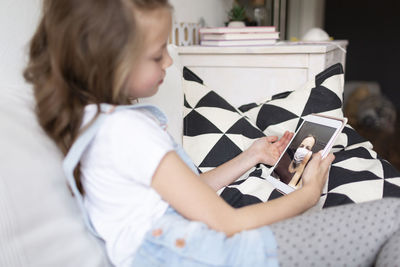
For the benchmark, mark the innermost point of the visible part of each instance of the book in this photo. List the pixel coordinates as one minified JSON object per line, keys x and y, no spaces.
{"x":238,"y":29}
{"x":241,"y":36}
{"x":237,"y":42}
{"x":316,"y":133}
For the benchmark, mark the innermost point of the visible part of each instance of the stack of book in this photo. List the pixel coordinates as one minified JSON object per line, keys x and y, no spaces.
{"x":246,"y":36}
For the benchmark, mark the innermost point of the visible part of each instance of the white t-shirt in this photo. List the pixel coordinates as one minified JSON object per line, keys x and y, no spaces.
{"x":116,"y":170}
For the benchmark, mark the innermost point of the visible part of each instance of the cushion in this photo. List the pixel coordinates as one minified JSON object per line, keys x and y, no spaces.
{"x":358,"y":174}
{"x":40,"y":223}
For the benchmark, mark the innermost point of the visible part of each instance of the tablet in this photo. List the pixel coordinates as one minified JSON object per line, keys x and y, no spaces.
{"x":316,"y":133}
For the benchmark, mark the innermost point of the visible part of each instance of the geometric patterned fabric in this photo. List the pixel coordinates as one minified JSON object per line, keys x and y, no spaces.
{"x":215,"y":131}
{"x":322,"y":95}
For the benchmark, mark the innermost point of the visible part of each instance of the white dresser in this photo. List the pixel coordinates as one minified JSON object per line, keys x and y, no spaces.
{"x":247,"y":74}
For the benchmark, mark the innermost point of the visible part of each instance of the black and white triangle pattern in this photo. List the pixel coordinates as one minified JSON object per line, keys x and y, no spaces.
{"x":214,"y":132}
{"x":322,"y":95}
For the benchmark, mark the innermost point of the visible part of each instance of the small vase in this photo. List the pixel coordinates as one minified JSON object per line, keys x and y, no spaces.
{"x":236,"y":24}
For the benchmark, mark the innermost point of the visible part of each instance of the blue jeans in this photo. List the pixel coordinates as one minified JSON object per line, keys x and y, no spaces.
{"x":176,"y":241}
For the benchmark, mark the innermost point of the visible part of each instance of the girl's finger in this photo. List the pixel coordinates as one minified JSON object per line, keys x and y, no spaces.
{"x":328,"y":159}
{"x":287,"y":136}
{"x":316,"y":158}
{"x":285,"y":139}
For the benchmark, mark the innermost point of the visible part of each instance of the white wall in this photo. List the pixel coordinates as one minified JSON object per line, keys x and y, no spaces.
{"x":304,"y":15}
{"x":15,"y":36}
{"x":18,"y":20}
{"x":214,"y":12}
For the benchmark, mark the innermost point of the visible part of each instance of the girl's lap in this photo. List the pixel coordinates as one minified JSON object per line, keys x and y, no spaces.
{"x":175,"y":241}
{"x":318,"y":237}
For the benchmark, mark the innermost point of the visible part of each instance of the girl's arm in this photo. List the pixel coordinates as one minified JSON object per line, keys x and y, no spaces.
{"x":195,"y":200}
{"x":264,"y":150}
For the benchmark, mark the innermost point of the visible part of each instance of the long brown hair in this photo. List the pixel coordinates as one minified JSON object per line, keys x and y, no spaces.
{"x":82,"y":53}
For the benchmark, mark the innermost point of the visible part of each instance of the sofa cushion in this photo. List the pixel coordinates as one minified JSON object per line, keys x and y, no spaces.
{"x":40,"y":223}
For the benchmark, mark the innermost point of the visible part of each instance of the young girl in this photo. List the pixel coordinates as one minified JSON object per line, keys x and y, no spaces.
{"x":88,"y":60}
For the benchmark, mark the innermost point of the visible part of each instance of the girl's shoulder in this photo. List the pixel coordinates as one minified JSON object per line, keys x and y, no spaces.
{"x":125,"y":118}
{"x":129,"y":128}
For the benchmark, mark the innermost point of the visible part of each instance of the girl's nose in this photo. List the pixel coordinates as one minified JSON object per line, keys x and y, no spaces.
{"x":167,"y":61}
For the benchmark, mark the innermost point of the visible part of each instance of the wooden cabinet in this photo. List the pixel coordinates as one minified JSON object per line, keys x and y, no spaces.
{"x":247,"y":74}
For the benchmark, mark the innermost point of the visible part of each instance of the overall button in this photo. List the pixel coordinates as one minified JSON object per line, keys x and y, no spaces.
{"x":157,"y":232}
{"x":180,"y":243}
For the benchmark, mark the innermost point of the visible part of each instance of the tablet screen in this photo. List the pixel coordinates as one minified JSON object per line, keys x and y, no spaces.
{"x":309,"y":139}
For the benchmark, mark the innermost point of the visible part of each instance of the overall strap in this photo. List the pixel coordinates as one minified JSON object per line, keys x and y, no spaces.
{"x":79,"y":146}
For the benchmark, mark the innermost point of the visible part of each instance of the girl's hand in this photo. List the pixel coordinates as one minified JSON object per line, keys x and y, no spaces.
{"x":316,"y":173}
{"x":268,"y":149}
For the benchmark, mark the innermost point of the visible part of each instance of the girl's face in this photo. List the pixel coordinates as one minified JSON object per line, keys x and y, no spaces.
{"x":149,"y":69}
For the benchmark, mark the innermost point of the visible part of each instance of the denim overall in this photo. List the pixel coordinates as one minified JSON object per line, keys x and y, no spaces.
{"x":174,"y":240}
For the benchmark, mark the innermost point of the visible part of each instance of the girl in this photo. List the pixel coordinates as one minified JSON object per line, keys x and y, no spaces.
{"x":88,"y":60}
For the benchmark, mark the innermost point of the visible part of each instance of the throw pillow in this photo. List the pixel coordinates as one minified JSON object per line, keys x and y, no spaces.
{"x":356,"y":175}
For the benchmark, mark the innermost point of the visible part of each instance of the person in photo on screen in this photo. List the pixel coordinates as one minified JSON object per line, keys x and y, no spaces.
{"x":301,"y":157}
